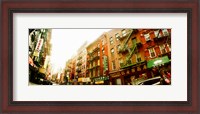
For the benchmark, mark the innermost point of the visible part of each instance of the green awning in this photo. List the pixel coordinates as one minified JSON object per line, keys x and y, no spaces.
{"x":157,"y":61}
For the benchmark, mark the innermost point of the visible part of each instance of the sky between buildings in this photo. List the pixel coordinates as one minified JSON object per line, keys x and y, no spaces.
{"x":66,"y":42}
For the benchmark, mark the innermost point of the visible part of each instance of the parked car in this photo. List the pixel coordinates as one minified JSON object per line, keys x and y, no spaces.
{"x":150,"y":81}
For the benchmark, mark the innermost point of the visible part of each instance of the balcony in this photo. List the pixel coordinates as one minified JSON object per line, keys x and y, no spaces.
{"x":91,"y":59}
{"x":96,"y":57}
{"x":79,"y":58}
{"x":96,"y":49}
{"x":123,"y":50}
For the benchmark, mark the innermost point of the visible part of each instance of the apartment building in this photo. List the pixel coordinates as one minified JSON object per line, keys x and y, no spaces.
{"x":97,"y":60}
{"x":132,"y":53}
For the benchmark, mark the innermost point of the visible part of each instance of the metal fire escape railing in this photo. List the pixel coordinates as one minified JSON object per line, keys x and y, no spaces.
{"x":124,"y":45}
{"x":127,"y":39}
{"x":133,"y":50}
{"x":130,"y":50}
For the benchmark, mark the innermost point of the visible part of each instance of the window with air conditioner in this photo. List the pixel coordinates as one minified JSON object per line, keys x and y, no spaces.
{"x":113,"y":65}
{"x":124,"y":32}
{"x":147,"y":37}
{"x":165,"y":32}
{"x":118,"y":47}
{"x":111,"y":40}
{"x":152,"y":53}
{"x":117,"y":36}
{"x":112,"y":51}
{"x":157,"y":34}
{"x":162,"y":49}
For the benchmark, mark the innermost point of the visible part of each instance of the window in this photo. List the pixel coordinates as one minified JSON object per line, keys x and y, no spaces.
{"x":103,"y":51}
{"x":156,"y":34}
{"x":169,"y":47}
{"x":113,"y":65}
{"x":118,"y":47}
{"x":118,"y":81}
{"x":98,"y":62}
{"x":123,"y":32}
{"x":117,"y":36}
{"x":112,"y":51}
{"x":121,"y":63}
{"x":111,"y":40}
{"x":147,"y":37}
{"x":102,"y":42}
{"x":98,"y":53}
{"x":165,"y":32}
{"x":152,"y":52}
{"x":98,"y":45}
{"x":98,"y":72}
{"x":94,"y":73}
{"x":94,"y":63}
{"x":162,"y":49}
{"x":90,"y":74}
{"x":138,"y":57}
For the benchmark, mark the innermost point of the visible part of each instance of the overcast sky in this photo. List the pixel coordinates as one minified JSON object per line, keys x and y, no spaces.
{"x":66,"y":42}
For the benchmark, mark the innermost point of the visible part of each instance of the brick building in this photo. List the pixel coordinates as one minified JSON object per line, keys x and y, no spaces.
{"x":120,"y":56}
{"x":81,"y":62}
{"x":97,"y":61}
{"x":132,"y":53}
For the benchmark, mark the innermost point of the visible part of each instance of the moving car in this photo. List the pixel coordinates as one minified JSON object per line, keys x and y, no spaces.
{"x":151,"y":81}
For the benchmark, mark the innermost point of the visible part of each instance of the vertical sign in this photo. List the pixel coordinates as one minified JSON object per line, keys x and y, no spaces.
{"x":105,"y":63}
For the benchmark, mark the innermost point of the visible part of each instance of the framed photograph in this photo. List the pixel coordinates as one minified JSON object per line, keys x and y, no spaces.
{"x":99,"y":56}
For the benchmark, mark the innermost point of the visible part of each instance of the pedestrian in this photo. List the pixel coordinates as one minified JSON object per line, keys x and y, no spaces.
{"x":164,"y":80}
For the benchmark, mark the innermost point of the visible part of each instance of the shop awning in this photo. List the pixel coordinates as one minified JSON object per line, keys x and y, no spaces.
{"x":101,"y":78}
{"x":157,"y":61}
{"x":84,"y":80}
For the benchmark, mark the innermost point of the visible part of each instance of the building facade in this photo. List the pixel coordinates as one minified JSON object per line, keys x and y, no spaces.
{"x":122,"y":57}
{"x":81,"y":63}
{"x":132,"y":52}
{"x":97,"y":61}
{"x":39,"y":52}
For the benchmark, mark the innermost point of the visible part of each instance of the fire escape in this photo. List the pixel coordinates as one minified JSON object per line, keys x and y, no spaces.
{"x":126,"y":49}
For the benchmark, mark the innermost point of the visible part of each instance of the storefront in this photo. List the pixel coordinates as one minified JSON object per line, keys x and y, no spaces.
{"x":155,"y":65}
{"x":102,"y":80}
{"x":84,"y":81}
{"x":158,"y":62}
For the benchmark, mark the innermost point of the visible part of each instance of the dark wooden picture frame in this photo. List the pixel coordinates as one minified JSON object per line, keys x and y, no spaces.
{"x":9,"y":7}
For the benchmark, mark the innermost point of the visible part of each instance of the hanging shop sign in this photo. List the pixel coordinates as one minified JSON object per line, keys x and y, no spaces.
{"x":158,"y":61}
{"x":38,"y":47}
{"x":84,"y":80}
{"x":105,"y":63}
{"x":102,"y":78}
{"x":99,"y":82}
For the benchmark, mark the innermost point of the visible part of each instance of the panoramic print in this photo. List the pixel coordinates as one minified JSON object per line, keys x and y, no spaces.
{"x":118,"y":56}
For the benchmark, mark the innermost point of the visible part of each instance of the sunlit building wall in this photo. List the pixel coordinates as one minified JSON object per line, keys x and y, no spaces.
{"x":97,"y":64}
